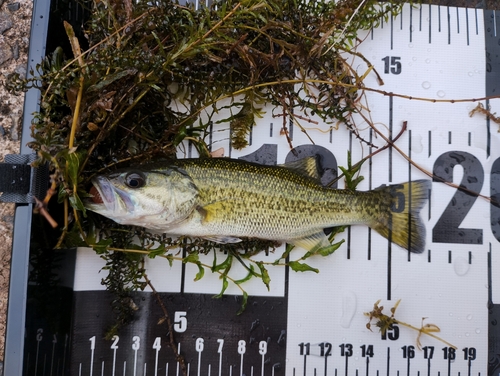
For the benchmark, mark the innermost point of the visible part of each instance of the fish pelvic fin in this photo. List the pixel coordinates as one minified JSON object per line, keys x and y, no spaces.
{"x":399,"y":218}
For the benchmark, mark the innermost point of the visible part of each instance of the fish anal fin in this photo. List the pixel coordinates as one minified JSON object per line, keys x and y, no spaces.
{"x":316,"y":243}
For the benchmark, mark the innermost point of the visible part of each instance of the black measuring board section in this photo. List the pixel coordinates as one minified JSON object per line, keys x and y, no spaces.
{"x":211,"y":337}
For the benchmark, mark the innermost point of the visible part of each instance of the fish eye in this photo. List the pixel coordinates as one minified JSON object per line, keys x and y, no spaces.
{"x":135,"y":180}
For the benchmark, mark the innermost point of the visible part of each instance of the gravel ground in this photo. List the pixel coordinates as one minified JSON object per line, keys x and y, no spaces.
{"x":15,"y":22}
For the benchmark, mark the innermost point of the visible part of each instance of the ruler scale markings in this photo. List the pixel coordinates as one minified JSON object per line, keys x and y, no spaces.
{"x":370,"y":182}
{"x":430,"y":24}
{"x":305,"y":364}
{"x":390,"y":149}
{"x":467,"y":25}
{"x":37,"y":352}
{"x":388,"y":360}
{"x":420,"y":18}
{"x":199,"y":345}
{"x":494,"y":23}
{"x":92,"y":347}
{"x":409,"y":191}
{"x":346,"y":367}
{"x":326,"y":366}
{"x":183,"y":271}
{"x":477,"y":21}
{"x":401,"y":19}
{"x":52,"y":357}
{"x":411,"y":25}
{"x":392,"y":32}
{"x":448,"y":19}
{"x":367,"y":366}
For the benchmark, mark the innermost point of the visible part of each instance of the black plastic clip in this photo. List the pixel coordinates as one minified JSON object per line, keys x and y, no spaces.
{"x":20,"y":182}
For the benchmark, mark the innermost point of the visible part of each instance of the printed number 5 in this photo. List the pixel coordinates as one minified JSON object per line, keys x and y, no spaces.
{"x":392,"y":64}
{"x":180,"y":321}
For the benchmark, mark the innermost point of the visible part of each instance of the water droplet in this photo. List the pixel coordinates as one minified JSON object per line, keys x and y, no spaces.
{"x":427,"y":61}
{"x":410,"y":45}
{"x":426,"y":85}
{"x":469,"y":317}
{"x":467,"y":334}
{"x":441,"y":93}
{"x":348,"y":308}
{"x":461,"y":266}
{"x":414,"y":58}
{"x":478,"y":331}
{"x":470,"y":74}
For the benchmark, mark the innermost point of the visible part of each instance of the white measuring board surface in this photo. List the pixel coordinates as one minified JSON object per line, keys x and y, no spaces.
{"x":314,"y":323}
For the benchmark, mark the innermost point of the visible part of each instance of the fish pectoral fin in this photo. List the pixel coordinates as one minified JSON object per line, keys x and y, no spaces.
{"x":316,"y":243}
{"x":217,"y":211}
{"x":222,"y":239}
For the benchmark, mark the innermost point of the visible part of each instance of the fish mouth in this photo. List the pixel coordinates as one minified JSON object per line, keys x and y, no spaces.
{"x":107,"y":198}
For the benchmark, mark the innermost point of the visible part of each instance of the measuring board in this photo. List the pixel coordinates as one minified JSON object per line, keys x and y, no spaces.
{"x":314,"y":324}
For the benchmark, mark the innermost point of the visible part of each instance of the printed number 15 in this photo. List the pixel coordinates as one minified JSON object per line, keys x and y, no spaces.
{"x":392,"y":64}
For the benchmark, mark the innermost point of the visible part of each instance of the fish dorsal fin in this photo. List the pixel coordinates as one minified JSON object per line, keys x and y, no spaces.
{"x":316,"y":243}
{"x":307,"y":166}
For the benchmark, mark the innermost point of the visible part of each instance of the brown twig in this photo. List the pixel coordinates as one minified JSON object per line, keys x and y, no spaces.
{"x":41,"y":208}
{"x":428,"y":173}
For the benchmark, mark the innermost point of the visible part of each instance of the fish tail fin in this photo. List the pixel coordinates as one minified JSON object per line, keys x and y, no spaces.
{"x":399,"y":218}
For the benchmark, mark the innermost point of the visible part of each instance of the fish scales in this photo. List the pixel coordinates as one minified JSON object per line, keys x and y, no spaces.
{"x":224,"y":199}
{"x":272,"y":201}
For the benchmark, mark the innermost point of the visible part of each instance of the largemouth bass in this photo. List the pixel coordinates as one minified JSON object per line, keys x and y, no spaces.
{"x":224,"y":200}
